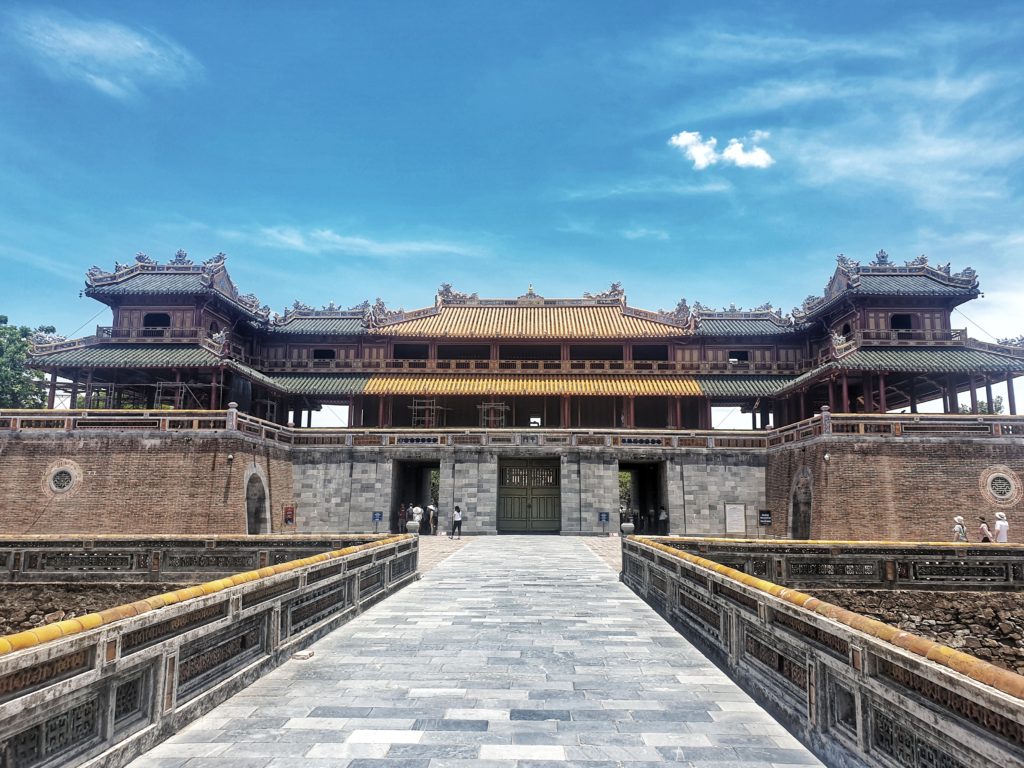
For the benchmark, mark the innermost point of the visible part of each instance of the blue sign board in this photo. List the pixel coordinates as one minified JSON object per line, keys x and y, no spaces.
{"x":602,"y":517}
{"x":378,"y":516}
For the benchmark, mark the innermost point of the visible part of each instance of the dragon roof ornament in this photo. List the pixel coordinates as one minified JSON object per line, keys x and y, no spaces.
{"x":212,"y":272}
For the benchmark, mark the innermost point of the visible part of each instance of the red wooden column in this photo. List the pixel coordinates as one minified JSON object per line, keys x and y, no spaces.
{"x":988,"y":393}
{"x":881,"y":394}
{"x":846,"y":394}
{"x":953,"y":402}
{"x":913,"y":394}
{"x":708,"y":422}
{"x":869,"y":393}
{"x":88,"y":389}
{"x":832,"y":395}
{"x":1010,"y":397}
{"x":381,"y":411}
{"x":974,"y":395}
{"x":630,"y":412}
{"x":214,"y":391}
{"x":566,"y":404}
{"x":51,"y":398}
{"x":679,"y":412}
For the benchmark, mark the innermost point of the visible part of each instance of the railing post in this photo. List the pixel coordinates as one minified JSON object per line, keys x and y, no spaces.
{"x":232,"y":419}
{"x":826,"y":420}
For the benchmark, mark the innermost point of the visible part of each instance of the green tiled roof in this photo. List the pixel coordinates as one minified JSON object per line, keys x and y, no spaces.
{"x":343,"y":326}
{"x":909,"y":285}
{"x":322,"y":384}
{"x":128,"y":356}
{"x":722,"y":326}
{"x":915,"y":360}
{"x":742,"y":386}
{"x":153,"y":282}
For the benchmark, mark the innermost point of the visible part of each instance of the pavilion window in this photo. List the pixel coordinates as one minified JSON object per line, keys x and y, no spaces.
{"x":595,"y":352}
{"x":658,"y":352}
{"x":847,"y":330}
{"x":739,"y":356}
{"x":155,"y":323}
{"x":463,"y":351}
{"x":324,"y":354}
{"x":411,"y":351}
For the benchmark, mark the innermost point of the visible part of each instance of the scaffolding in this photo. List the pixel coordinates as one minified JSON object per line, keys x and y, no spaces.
{"x":175,"y":394}
{"x":427,"y":414}
{"x":492,"y":415}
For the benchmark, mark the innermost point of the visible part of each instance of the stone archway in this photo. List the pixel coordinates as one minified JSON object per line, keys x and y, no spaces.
{"x":257,"y":520}
{"x":801,"y":497}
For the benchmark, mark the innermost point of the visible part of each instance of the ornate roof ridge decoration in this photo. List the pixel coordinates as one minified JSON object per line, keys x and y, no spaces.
{"x":212,"y":273}
{"x":298,"y":309}
{"x":446,"y":295}
{"x":849,"y":272}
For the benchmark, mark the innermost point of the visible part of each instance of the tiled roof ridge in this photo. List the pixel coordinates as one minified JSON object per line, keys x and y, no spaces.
{"x":212,"y":274}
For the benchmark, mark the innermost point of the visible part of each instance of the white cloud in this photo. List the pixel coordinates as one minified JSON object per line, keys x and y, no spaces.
{"x":110,"y":57}
{"x":740,"y":157}
{"x":702,"y":151}
{"x":320,"y":241}
{"x":657,"y":186}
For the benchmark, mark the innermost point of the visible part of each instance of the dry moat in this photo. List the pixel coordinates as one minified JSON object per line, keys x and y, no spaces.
{"x":988,"y":625}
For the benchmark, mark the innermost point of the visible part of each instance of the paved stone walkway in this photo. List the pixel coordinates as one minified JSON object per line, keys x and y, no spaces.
{"x":514,"y":652}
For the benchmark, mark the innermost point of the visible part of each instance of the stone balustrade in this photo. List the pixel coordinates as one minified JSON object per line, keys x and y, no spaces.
{"x":170,"y":558}
{"x":105,"y":687}
{"x":865,"y":564}
{"x":857,"y":691}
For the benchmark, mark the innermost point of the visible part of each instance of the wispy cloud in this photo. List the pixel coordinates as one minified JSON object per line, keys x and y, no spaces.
{"x":702,"y":153}
{"x":321,"y":241}
{"x":643,"y":233}
{"x":112,"y":58}
{"x":659,"y":186}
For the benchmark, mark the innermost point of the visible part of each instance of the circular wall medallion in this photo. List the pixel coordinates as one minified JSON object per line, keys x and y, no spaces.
{"x":62,"y":479}
{"x":1001,"y":486}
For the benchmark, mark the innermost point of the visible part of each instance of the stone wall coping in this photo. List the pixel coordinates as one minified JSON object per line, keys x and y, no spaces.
{"x":142,"y":539}
{"x":49,"y":632}
{"x":976,"y":669}
{"x":857,"y":544}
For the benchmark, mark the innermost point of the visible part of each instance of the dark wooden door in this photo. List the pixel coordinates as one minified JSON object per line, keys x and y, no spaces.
{"x":529,"y":496}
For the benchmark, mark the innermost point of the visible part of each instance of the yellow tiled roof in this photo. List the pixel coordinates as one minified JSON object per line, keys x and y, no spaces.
{"x":612,"y":385}
{"x":530,"y":322}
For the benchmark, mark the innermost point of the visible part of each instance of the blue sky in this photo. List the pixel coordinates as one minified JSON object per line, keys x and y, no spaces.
{"x":342,"y":151}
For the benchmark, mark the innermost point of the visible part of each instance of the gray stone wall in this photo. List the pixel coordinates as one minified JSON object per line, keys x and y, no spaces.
{"x":590,"y":485}
{"x":336,"y":490}
{"x":711,"y":480}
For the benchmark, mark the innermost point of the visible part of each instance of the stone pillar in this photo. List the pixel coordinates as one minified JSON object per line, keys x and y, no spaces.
{"x":590,"y":484}
{"x":674,"y":497}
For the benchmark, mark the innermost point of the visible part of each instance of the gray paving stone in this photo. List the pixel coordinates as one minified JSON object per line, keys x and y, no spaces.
{"x":511,"y":652}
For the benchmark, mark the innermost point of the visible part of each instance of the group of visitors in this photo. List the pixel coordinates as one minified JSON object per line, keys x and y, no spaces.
{"x":414,"y":512}
{"x":649,"y":522}
{"x":985,"y":534}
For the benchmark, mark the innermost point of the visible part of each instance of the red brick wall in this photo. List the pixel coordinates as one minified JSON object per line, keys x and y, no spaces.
{"x":135,"y":483}
{"x":904,"y":490}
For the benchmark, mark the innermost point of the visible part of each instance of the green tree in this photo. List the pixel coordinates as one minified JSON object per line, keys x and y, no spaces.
{"x":19,"y":386}
{"x":997,"y":401}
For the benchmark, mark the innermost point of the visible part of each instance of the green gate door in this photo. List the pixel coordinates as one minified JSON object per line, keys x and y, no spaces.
{"x":529,"y":497}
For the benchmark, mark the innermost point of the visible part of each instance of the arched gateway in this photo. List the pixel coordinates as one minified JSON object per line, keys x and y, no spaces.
{"x":256,"y":506}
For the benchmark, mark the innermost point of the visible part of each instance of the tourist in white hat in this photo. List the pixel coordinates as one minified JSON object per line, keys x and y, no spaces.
{"x":959,"y":529}
{"x":1002,"y":528}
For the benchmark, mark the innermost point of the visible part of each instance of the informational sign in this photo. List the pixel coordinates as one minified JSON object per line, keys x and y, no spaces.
{"x":602,"y":517}
{"x":764,"y":517}
{"x":289,"y":515}
{"x":734,"y":518}
{"x":378,"y":517}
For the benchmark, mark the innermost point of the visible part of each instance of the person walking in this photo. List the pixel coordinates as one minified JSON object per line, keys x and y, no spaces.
{"x":432,"y":512}
{"x":959,"y":529}
{"x":662,"y":521}
{"x":456,"y":523}
{"x":1002,"y":528}
{"x":983,"y":532}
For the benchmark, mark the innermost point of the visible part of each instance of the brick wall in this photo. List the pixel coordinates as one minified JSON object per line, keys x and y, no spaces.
{"x":139,"y":483}
{"x":907,"y":489}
